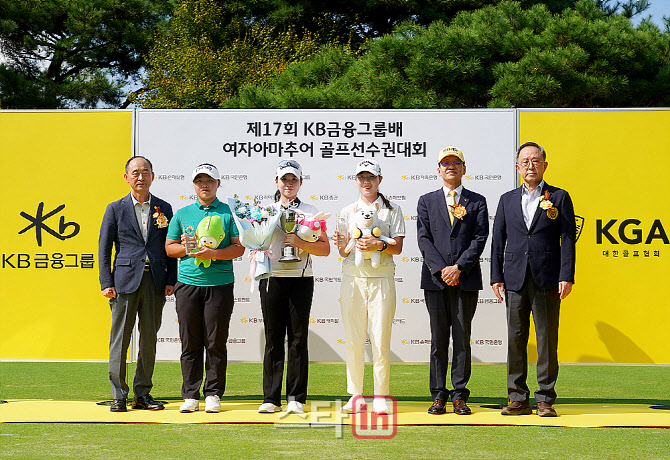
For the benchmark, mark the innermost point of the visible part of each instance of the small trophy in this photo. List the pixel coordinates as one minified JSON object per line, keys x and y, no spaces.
{"x":342,"y":230}
{"x":288,"y":222}
{"x":189,"y":233}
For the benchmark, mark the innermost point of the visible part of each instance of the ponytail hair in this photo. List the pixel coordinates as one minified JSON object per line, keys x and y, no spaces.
{"x":386,"y":202}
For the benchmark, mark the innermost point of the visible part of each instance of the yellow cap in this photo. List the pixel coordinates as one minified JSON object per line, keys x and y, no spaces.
{"x":450,"y":151}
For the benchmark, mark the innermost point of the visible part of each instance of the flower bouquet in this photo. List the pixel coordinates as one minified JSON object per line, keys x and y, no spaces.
{"x":255,"y":224}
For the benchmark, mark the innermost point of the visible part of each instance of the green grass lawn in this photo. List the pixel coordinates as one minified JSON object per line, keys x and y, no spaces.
{"x":88,"y":381}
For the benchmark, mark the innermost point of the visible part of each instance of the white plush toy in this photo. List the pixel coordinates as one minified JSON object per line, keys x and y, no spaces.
{"x":310,"y":229}
{"x":365,"y":224}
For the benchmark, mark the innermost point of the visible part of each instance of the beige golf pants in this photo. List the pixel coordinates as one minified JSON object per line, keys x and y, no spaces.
{"x":368,"y":306}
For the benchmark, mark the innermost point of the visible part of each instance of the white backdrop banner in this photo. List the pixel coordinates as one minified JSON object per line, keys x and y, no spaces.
{"x":246,"y":147}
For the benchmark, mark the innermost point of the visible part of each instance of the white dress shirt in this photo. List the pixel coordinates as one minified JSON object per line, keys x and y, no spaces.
{"x":142,"y":212}
{"x":530,"y":202}
{"x":457,"y":197}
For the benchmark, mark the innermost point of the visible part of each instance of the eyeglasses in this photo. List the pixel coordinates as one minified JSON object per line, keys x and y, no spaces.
{"x":288,"y":164}
{"x":447,"y":163}
{"x":136,"y":174}
{"x":536,"y":163}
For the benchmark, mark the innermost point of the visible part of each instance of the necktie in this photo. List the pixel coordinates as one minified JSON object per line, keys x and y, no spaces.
{"x":451,"y":204}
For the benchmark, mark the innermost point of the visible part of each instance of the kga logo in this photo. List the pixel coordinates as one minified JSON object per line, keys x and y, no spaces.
{"x":369,"y":425}
{"x":579,"y":225}
{"x":38,"y":222}
{"x":629,"y":232}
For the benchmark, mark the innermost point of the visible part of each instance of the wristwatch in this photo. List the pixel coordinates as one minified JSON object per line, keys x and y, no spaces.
{"x":386,"y":245}
{"x":460,"y":267}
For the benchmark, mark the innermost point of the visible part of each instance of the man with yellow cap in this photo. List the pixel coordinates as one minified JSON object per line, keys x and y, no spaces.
{"x":452,"y":228}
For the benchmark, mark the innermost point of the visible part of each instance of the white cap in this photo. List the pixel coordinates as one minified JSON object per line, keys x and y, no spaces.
{"x":289,"y":167}
{"x":370,"y":166}
{"x":208,"y":169}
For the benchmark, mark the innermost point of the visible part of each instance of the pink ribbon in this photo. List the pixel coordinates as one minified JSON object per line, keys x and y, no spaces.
{"x":253,"y":262}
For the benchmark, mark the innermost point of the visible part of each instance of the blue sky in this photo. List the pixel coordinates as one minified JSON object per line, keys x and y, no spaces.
{"x":657,"y":10}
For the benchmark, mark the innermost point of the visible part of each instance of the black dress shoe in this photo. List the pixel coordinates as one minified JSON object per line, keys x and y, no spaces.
{"x":118,"y":405}
{"x":437,"y":408}
{"x":146,"y":402}
{"x":460,"y":408}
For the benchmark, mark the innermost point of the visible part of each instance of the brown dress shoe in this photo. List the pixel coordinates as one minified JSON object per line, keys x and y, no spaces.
{"x":517,"y":408}
{"x":545,"y":410}
{"x":460,"y":408}
{"x":437,"y":408}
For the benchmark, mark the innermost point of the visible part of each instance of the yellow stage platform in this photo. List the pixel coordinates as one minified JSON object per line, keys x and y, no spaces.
{"x":327,"y":412}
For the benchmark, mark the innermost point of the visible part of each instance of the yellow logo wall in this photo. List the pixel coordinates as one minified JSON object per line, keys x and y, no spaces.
{"x":615,"y":166}
{"x":60,"y":170}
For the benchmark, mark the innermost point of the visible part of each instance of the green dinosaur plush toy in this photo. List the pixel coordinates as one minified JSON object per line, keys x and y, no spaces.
{"x":209,"y":234}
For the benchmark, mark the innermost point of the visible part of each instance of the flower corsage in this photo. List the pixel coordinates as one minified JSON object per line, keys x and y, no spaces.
{"x":161,"y":220}
{"x":548,"y":206}
{"x":458,"y":211}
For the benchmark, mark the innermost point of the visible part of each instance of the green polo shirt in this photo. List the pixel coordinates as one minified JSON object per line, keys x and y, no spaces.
{"x":220,"y":272}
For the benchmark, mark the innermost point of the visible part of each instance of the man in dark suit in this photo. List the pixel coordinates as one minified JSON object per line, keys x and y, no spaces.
{"x":452,"y":229}
{"x":142,"y":275}
{"x":533,"y":261}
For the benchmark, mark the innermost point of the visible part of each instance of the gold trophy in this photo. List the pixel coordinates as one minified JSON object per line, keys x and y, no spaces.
{"x":288,"y":222}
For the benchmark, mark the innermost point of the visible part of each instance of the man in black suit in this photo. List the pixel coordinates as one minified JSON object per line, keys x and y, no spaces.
{"x":452,"y":229}
{"x":533,"y":261}
{"x":135,"y":227}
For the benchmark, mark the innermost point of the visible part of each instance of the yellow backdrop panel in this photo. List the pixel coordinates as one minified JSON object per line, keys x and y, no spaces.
{"x":60,"y":171}
{"x":615,"y":165}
